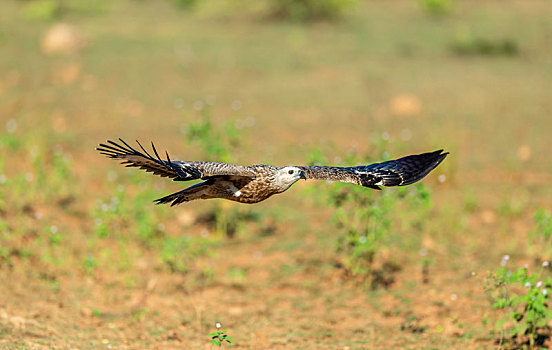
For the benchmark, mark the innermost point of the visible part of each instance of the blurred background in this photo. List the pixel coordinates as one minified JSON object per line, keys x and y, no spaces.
{"x":87,"y":260}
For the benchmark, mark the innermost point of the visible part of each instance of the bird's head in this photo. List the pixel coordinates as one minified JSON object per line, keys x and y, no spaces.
{"x":287,"y":176}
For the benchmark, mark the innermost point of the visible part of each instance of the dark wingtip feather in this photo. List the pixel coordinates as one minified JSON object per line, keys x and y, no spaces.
{"x":173,"y":199}
{"x":424,"y":164}
{"x":404,"y":171}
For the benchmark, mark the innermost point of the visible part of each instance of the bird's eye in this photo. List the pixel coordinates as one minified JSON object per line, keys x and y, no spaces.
{"x":290,"y":172}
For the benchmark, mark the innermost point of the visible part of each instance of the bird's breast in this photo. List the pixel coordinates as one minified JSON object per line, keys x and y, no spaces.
{"x":255,"y":191}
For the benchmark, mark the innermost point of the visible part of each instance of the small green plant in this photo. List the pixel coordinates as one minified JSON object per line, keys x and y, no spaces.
{"x":49,"y":10}
{"x":147,"y":223}
{"x":237,"y":276}
{"x":110,"y":216}
{"x":44,"y":10}
{"x":220,"y":337}
{"x":52,"y":177}
{"x":180,"y":253}
{"x":217,"y":144}
{"x":11,"y":140}
{"x":5,"y":250}
{"x":467,"y":44}
{"x":437,"y":7}
{"x":426,"y":263}
{"x":363,"y":217}
{"x":523,"y":299}
{"x":185,"y":4}
{"x":541,"y":235}
{"x":89,"y":264}
{"x":303,"y":10}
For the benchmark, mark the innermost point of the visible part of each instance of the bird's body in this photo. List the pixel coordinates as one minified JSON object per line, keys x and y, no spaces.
{"x":253,"y":184}
{"x":241,"y":189}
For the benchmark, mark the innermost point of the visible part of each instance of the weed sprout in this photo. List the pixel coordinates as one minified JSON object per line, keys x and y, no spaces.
{"x":525,"y":311}
{"x":219,"y":337}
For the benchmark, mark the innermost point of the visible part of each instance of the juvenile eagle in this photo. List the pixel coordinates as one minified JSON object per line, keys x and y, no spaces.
{"x":255,"y":183}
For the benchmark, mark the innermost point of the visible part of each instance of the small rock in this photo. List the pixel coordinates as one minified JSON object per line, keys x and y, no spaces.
{"x":524,"y":153}
{"x":235,"y":310}
{"x":174,"y":336}
{"x":86,"y":312}
{"x":488,"y":216}
{"x":62,"y":38}
{"x":405,"y":105}
{"x":186,"y":217}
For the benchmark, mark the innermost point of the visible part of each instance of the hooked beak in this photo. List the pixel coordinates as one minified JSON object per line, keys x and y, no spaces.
{"x":302,"y":175}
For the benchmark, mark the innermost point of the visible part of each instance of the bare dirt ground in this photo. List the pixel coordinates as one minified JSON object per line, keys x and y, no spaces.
{"x":87,"y":261}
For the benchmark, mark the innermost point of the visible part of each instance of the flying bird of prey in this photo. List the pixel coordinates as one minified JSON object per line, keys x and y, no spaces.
{"x":255,"y":183}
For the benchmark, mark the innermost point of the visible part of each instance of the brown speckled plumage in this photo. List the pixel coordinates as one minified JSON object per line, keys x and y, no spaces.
{"x":252,"y":184}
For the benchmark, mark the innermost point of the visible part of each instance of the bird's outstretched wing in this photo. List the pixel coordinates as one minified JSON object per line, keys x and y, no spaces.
{"x":398,"y":172}
{"x":177,"y":170}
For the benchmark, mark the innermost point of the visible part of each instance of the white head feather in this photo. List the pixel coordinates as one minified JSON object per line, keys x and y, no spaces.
{"x":287,"y":176}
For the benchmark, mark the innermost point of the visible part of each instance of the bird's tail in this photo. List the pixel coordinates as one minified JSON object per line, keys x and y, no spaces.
{"x":193,"y":192}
